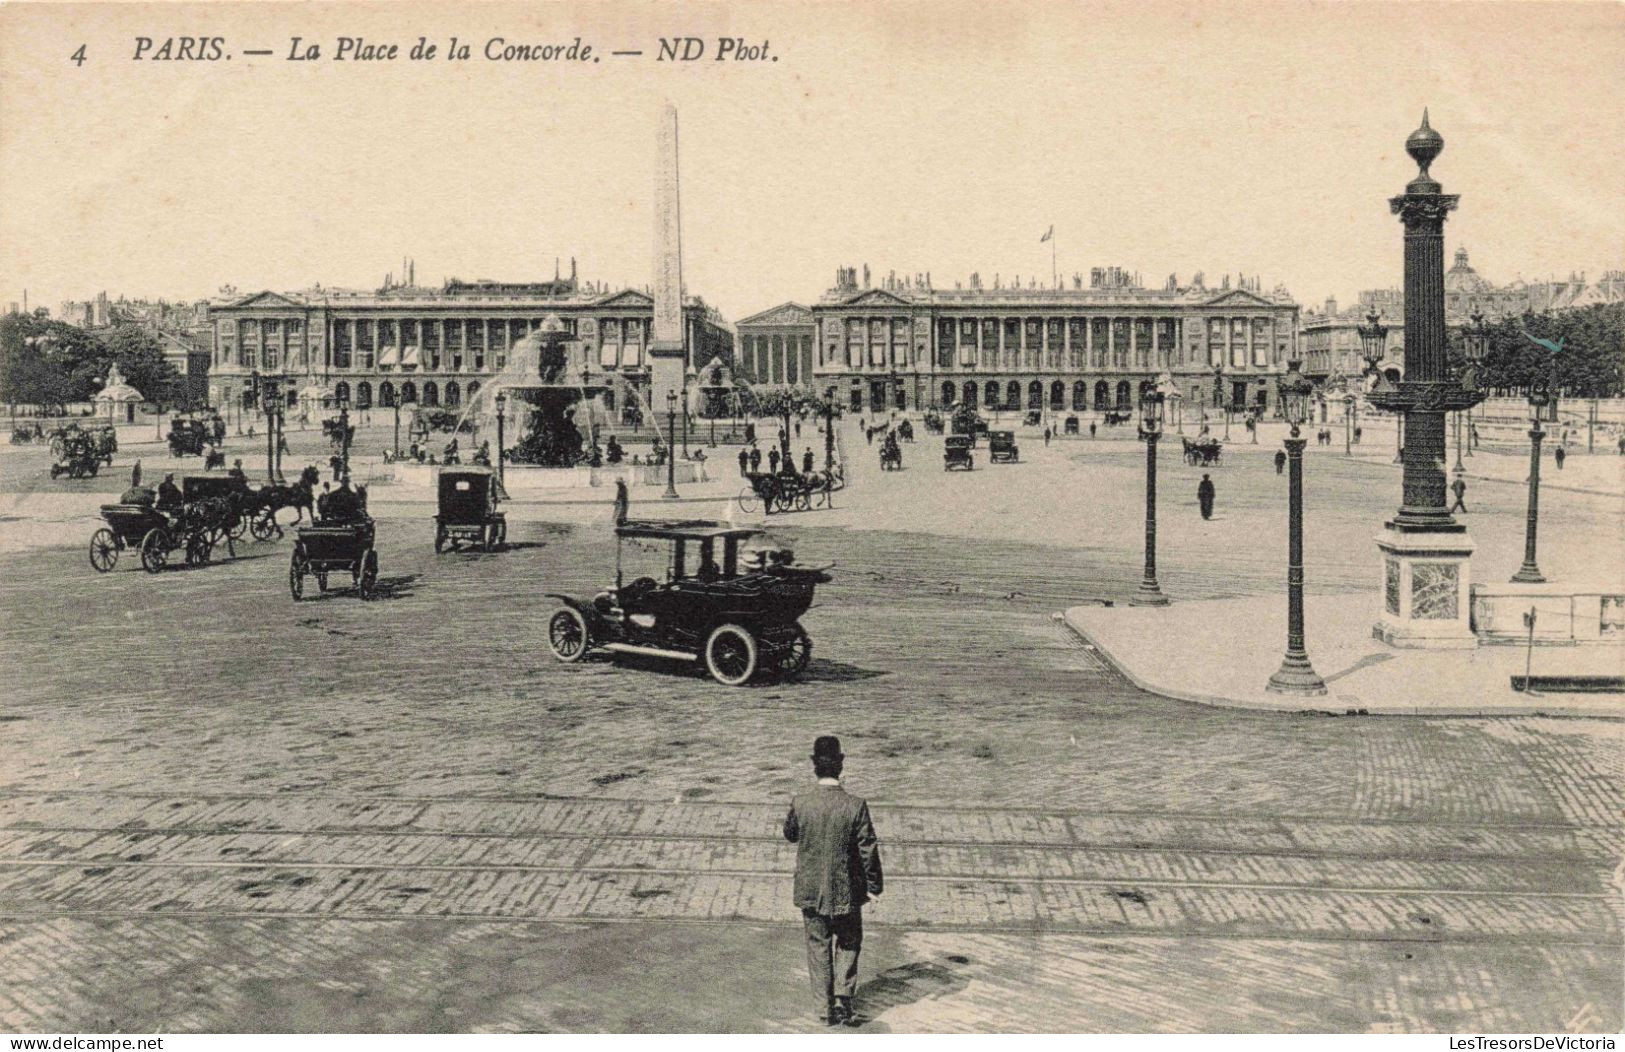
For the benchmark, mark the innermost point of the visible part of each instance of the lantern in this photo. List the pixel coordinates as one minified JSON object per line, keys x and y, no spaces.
{"x":1373,"y":340}
{"x":1150,"y":412}
{"x":1295,"y":392}
{"x":1476,"y":338}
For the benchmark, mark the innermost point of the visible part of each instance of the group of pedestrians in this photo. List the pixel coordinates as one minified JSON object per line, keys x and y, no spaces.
{"x":750,"y":460}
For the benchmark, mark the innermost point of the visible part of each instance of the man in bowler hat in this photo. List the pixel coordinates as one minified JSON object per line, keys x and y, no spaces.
{"x":837,"y":871}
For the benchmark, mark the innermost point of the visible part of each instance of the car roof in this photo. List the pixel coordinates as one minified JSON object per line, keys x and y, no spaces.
{"x":682,"y":529}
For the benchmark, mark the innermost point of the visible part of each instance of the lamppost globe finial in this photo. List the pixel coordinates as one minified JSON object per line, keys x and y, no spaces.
{"x":1424,"y":145}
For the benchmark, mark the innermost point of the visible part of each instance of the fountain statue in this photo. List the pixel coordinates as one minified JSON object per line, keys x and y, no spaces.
{"x":546,"y":378}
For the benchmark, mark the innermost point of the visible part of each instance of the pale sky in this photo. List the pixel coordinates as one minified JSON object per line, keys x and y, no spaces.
{"x":1262,"y":138}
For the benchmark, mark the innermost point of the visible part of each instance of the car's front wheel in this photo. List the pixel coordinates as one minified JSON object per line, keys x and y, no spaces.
{"x":730,"y":655}
{"x":567,"y":634}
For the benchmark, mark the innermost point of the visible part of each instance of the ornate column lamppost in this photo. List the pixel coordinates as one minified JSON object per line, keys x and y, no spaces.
{"x":1151,"y":421}
{"x":1426,"y":553}
{"x":671,"y":446}
{"x":1296,"y":675}
{"x":1348,"y":423}
{"x":502,"y":457}
{"x":1529,"y":572}
{"x":396,"y":403}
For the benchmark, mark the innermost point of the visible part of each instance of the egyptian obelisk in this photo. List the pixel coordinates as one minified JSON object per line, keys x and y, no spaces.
{"x":667,"y":351}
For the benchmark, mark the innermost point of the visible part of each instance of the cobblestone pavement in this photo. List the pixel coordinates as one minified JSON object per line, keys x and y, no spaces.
{"x":220,"y":809}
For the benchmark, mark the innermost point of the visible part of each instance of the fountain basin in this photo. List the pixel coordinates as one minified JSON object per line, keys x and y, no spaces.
{"x":519,"y":479}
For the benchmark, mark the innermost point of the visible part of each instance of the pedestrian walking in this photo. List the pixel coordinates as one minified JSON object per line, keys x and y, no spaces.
{"x":744,"y":461}
{"x":798,"y":427}
{"x":807,"y":462}
{"x":1472,"y":435}
{"x":869,"y":433}
{"x":1280,"y":461}
{"x":837,"y":871}
{"x":1046,"y":436}
{"x":1459,"y":488}
{"x":1091,"y":429}
{"x":773,"y":461}
{"x":1204,"y":496}
{"x":755,"y":459}
{"x":1559,"y":454}
{"x":1360,"y":431}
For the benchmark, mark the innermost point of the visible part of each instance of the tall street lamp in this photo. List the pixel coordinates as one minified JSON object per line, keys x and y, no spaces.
{"x":396,"y":403}
{"x":1296,"y":675}
{"x":344,"y":429}
{"x":1151,"y":420}
{"x":1348,"y":422}
{"x":502,"y":413}
{"x":1529,"y":572}
{"x":671,"y":446}
{"x":1476,"y":339}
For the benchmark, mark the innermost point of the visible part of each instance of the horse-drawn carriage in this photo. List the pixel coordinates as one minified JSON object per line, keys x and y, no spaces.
{"x":785,"y":491}
{"x":891,"y":454}
{"x":933,"y":421}
{"x":1070,"y":425}
{"x":1114,"y":418}
{"x":467,"y":511}
{"x":260,"y":506}
{"x":905,"y":430}
{"x":1203,"y":452}
{"x":188,"y":436}
{"x":1033,"y":418}
{"x":739,"y":614}
{"x":27,"y":432}
{"x":334,"y":428}
{"x":956,"y":452}
{"x":80,"y":457}
{"x":334,"y":548}
{"x":208,"y":513}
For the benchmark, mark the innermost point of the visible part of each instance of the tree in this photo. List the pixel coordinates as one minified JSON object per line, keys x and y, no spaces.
{"x":38,"y":357}
{"x":140,"y":357}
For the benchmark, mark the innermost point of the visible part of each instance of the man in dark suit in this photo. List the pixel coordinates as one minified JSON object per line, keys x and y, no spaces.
{"x":837,"y":871}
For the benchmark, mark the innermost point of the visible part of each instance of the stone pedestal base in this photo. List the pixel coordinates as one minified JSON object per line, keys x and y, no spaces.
{"x":1426,"y":590}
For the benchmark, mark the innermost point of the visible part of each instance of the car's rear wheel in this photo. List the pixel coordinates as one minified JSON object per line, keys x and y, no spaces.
{"x":792,"y":658}
{"x":567,"y":634}
{"x":730,"y":655}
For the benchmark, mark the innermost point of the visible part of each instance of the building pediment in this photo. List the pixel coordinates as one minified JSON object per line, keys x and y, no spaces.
{"x":783,"y":314}
{"x":1239,"y":298}
{"x":266,"y":299}
{"x":875,"y":298}
{"x":625,"y":298}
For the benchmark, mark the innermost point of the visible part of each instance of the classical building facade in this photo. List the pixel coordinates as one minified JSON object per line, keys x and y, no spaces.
{"x":776,"y":346}
{"x":434,"y":347}
{"x":1095,"y":346}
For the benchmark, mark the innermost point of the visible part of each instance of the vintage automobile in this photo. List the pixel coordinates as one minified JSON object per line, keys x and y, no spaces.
{"x":1002,"y":448}
{"x":933,"y":421}
{"x":967,"y":421}
{"x":469,"y":497}
{"x":187,"y":437}
{"x":1071,"y":427}
{"x":334,"y":548}
{"x":78,"y":459}
{"x":956,"y":453}
{"x":739,"y":613}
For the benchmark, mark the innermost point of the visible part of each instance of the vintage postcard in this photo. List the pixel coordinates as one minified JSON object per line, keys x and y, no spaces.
{"x":812,"y":517}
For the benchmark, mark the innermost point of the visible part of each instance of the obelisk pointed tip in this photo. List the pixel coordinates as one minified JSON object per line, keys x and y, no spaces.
{"x":1425,"y":117}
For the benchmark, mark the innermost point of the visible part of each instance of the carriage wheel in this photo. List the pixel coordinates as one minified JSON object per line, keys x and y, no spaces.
{"x":155,"y":549}
{"x":730,"y":655}
{"x":747,"y":500}
{"x":369,"y":574}
{"x":792,"y":659}
{"x":263,"y":525}
{"x":296,"y":575}
{"x":103,"y":550}
{"x":803,"y":499}
{"x":567,"y":634}
{"x":237,"y":527}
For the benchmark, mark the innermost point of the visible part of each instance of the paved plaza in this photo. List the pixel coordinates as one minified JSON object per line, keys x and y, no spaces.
{"x":221,"y":810}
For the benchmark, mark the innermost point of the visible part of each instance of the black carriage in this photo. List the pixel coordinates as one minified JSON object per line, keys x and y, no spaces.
{"x":187,"y":437}
{"x":334,"y":548}
{"x":221,"y":504}
{"x":956,"y":453}
{"x":933,"y":421}
{"x":1002,"y":448}
{"x":905,"y":431}
{"x":1203,"y":452}
{"x":1033,"y":418}
{"x":333,"y":429}
{"x":1070,"y":426}
{"x":152,"y":533}
{"x":469,"y":498}
{"x":967,"y":421}
{"x":786,"y":491}
{"x":78,"y":459}
{"x":736,"y":612}
{"x":891,"y":455}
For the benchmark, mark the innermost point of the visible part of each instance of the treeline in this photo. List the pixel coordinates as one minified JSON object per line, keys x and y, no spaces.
{"x":50,"y":363}
{"x":1589,"y":366}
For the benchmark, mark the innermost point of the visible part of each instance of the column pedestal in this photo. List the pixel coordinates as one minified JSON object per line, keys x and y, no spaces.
{"x":1426,"y":589}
